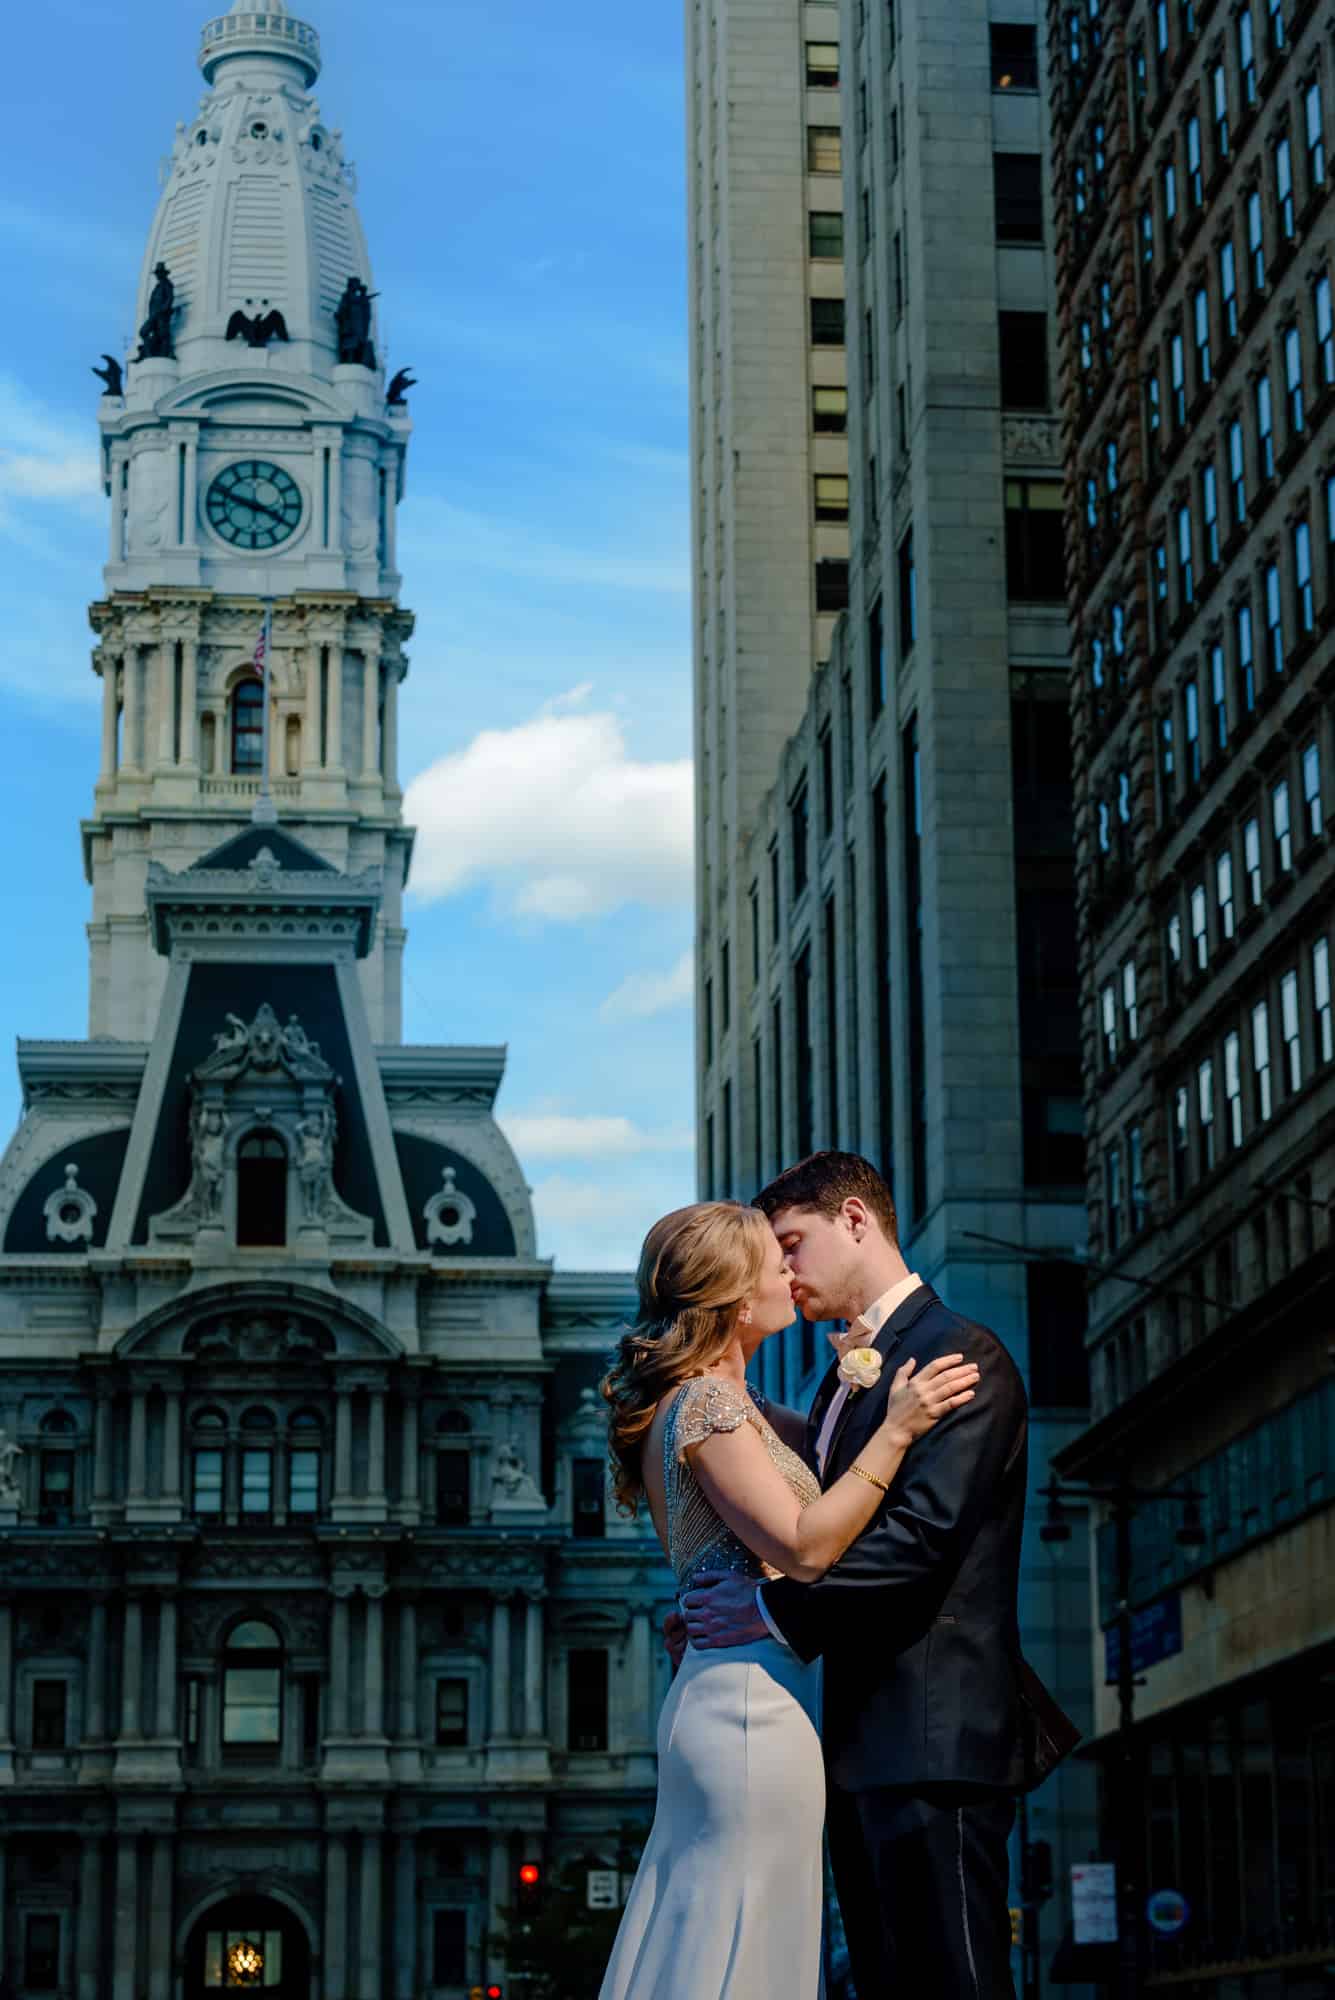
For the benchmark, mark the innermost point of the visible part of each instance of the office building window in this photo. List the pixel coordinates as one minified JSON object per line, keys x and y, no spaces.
{"x":1177,"y":380}
{"x":1210,"y":513}
{"x":1302,"y":576}
{"x":1223,"y":881}
{"x":831,"y":496}
{"x":827,"y":322}
{"x":1256,"y":240}
{"x":1233,"y":1086}
{"x":907,"y":572}
{"x":1316,"y":145}
{"x":1325,"y":330}
{"x":876,"y":663}
{"x":55,"y":1488}
{"x":1024,"y":360}
{"x":1228,"y":288}
{"x":1293,"y":380}
{"x":1261,"y":1060}
{"x":1246,"y":54}
{"x":1018,"y":193}
{"x":1274,"y":620}
{"x":824,"y":150}
{"x":1200,"y":322}
{"x":1205,"y":1112}
{"x":1191,"y":719}
{"x":207,"y":1484}
{"x":1237,"y":473}
{"x":1035,"y":558}
{"x":1312,"y":789}
{"x":1130,"y":1008}
{"x":1219,"y":110}
{"x":799,"y":819}
{"x":1172,"y":937}
{"x":49,"y":1708}
{"x":1014,"y":57}
{"x":829,"y":410}
{"x":1275,"y":25}
{"x":1135,"y":1174}
{"x":1179,"y":1135}
{"x":1195,"y":168}
{"x":1280,"y":824}
{"x":1219,"y":696}
{"x":832,"y":583}
{"x":1242,"y":632}
{"x":825,"y":233}
{"x":1108,"y":1005}
{"x":1112,"y":1198}
{"x":256,"y":1483}
{"x":1289,"y":1029}
{"x":822,"y":65}
{"x":1284,"y":188}
{"x":1186,"y":584}
{"x":252,"y":1694}
{"x":1321,"y":1004}
{"x":1200,"y":937}
{"x":1251,"y":861}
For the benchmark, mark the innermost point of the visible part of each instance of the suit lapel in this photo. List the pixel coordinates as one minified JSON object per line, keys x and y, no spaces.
{"x":887,"y":1339}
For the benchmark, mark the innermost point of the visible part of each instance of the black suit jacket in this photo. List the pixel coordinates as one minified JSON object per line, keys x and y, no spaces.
{"x":917,"y":1622}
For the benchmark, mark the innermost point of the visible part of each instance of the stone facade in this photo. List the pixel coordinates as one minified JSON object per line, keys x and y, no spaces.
{"x":1196,"y":258}
{"x":316,"y":1622}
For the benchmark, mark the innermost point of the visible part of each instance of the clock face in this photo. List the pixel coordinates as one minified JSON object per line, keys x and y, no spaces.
{"x":254,"y":505}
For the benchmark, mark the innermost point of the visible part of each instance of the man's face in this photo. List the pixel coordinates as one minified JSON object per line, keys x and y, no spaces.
{"x":822,"y":1256}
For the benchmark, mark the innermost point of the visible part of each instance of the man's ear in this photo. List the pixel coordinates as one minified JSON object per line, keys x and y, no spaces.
{"x":854,"y":1212}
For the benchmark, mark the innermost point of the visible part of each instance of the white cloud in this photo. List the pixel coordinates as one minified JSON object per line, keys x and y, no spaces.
{"x":600,"y":1225}
{"x":558,"y":1135}
{"x":557,"y":817}
{"x":470,"y":543}
{"x":43,"y":457}
{"x":644,"y":993}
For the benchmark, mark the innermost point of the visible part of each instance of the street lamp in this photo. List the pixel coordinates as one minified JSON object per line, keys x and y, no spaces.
{"x":1123,"y":1499}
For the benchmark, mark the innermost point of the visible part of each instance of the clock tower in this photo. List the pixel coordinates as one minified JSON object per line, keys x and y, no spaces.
{"x":253,"y":455}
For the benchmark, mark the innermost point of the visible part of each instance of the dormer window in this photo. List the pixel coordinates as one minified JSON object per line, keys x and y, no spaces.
{"x":261,"y":1191}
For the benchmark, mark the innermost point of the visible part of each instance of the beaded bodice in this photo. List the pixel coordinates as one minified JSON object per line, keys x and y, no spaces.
{"x":697,"y":1538}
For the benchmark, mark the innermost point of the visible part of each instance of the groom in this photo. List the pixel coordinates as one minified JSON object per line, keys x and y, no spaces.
{"x":917,"y":1622}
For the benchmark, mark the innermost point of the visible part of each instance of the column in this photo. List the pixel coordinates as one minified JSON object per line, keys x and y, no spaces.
{"x":373,"y":1664}
{"x":500,"y":1667}
{"x":109,"y":707}
{"x":279,"y":1470}
{"x":166,"y":700}
{"x":368,"y":1943}
{"x":375,"y":1448}
{"x":3,"y":1941}
{"x":125,"y":1984}
{"x":131,"y":705}
{"x":132,"y":1653}
{"x":338,"y":1664}
{"x":6,"y":1670}
{"x":190,"y":694}
{"x":310,"y":714}
{"x":102,"y":1450}
{"x":95,"y":1704}
{"x":334,"y":718}
{"x":371,"y":712}
{"x":640,"y":1675}
{"x":171,"y":1448}
{"x":336,"y":1917}
{"x":389,"y":735}
{"x":407,"y":1670}
{"x":405,"y":1918}
{"x":189,"y":535}
{"x":533,"y":1665}
{"x":342,"y":1445}
{"x":88,"y":1947}
{"x":410,"y":1470}
{"x":166,"y":1718}
{"x":160,"y":1920}
{"x":135,"y":1487}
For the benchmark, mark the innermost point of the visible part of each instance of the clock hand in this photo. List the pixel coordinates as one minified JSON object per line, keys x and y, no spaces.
{"x":258,"y":507}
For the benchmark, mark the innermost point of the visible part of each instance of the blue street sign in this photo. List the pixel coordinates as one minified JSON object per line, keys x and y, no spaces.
{"x":1168,"y":1912}
{"x":1156,"y":1634}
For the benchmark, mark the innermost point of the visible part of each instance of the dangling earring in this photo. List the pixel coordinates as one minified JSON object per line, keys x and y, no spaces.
{"x":745,"y":1316}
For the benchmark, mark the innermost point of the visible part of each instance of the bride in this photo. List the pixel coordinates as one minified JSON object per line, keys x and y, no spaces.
{"x":727,"y":1901}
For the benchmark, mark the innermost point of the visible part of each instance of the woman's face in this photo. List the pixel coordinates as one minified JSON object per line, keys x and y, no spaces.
{"x":771,"y":1302}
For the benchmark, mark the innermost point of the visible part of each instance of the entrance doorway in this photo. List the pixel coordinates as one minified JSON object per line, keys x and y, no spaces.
{"x":248,"y":1945}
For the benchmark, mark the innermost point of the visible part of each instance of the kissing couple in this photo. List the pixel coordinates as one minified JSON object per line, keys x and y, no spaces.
{"x":874,"y":1543}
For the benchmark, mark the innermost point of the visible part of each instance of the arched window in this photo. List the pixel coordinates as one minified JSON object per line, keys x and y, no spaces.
{"x":453,"y":1470}
{"x":248,"y":726}
{"x":261,"y":1190}
{"x":209,"y":1428}
{"x":303,"y":1463}
{"x":253,"y":1689}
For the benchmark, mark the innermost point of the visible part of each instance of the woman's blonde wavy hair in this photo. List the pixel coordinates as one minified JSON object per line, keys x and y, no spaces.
{"x":696,"y":1267}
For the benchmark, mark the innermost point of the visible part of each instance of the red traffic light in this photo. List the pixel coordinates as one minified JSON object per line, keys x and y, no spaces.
{"x":530,"y":1875}
{"x":493,"y":1993}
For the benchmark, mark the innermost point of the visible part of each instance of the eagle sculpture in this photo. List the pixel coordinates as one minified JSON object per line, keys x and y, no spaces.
{"x":257,"y":329}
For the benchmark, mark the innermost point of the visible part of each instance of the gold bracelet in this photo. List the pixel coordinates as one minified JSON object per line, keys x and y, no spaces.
{"x":870,"y":1477}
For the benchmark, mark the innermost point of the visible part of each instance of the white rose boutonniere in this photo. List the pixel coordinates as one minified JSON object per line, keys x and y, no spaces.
{"x":860,"y":1368}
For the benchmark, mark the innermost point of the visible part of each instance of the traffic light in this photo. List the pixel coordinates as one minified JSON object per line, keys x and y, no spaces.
{"x":486,"y":1993}
{"x":530,"y":1888}
{"x":1017,"y":1928}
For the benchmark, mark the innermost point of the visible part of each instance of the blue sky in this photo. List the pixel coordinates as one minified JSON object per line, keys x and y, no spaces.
{"x":521,"y":182}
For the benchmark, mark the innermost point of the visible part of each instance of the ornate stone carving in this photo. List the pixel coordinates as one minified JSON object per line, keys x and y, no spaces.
{"x":258,"y":1338}
{"x":269,"y":1078}
{"x":513,"y":1487}
{"x":70,"y":1211}
{"x":1031,"y":438}
{"x":449,"y":1214}
{"x":10,"y":1454}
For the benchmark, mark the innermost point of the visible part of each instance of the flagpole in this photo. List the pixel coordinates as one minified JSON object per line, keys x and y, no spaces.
{"x":265,"y":812}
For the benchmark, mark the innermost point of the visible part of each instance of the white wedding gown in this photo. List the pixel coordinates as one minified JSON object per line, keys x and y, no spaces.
{"x":726,"y":1904}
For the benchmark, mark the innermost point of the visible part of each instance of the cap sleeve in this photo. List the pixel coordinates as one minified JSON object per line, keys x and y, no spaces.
{"x":707,"y":1406}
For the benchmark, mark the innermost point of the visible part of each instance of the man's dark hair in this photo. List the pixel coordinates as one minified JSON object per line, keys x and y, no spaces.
{"x":824,"y":1182}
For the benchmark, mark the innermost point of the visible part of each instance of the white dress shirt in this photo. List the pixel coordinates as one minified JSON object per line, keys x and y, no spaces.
{"x":860,"y":1332}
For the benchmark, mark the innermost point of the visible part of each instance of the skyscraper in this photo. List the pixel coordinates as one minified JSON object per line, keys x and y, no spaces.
{"x":1196,"y":258}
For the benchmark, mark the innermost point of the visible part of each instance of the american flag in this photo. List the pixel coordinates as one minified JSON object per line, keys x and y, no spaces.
{"x":262,"y":646}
